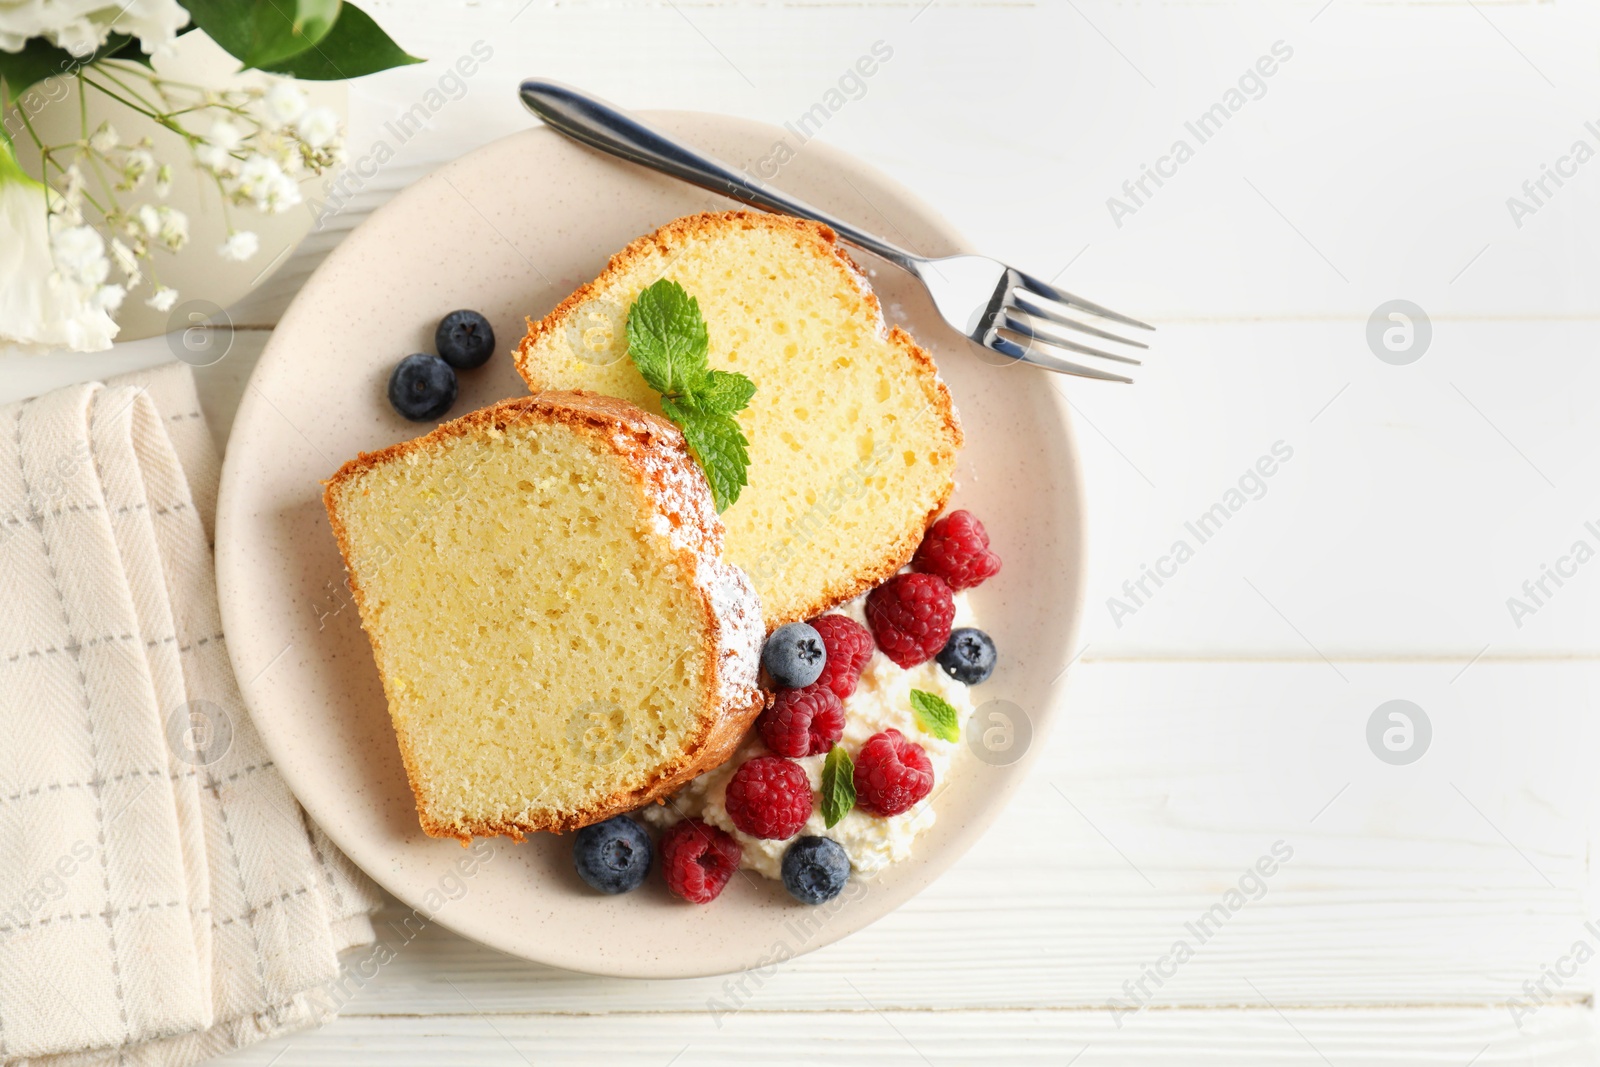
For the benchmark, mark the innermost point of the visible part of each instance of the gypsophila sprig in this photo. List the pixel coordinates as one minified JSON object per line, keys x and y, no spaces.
{"x":86,"y":231}
{"x":668,"y":343}
{"x":253,"y":144}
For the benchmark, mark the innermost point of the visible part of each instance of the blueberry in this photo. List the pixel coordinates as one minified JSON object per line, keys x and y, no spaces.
{"x":422,"y":388}
{"x":815,"y":869}
{"x":794,"y":656}
{"x":464,"y":339}
{"x":612,"y":856}
{"x":968,"y":656}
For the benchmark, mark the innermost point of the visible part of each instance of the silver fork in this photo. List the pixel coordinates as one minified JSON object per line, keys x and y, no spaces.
{"x":999,"y":307}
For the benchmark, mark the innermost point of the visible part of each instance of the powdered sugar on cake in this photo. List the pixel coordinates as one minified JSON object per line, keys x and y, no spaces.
{"x":687,"y":518}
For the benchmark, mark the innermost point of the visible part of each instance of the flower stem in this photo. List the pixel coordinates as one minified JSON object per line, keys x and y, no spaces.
{"x":125,"y":102}
{"x":27,"y":124}
{"x":88,"y":153}
{"x":109,"y":72}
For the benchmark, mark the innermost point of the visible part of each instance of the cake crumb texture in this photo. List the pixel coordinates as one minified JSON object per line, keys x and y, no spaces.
{"x":557,"y":636}
{"x":853,"y":436}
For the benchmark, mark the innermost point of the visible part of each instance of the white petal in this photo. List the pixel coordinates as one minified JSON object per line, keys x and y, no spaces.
{"x":39,"y":309}
{"x":239,"y":246}
{"x":285,"y":103}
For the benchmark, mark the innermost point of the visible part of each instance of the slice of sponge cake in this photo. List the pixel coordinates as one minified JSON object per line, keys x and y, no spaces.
{"x":853,"y":437}
{"x":557,"y":635}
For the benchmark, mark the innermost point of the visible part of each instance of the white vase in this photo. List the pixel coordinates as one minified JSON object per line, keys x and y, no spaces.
{"x":202,"y":277}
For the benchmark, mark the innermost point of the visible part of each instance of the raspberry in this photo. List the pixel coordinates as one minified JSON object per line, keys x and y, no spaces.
{"x":910,"y":616}
{"x":802,"y":722}
{"x":891,"y":774}
{"x":698,"y":859}
{"x":956,"y":548}
{"x":769,"y":797}
{"x":849,"y":648}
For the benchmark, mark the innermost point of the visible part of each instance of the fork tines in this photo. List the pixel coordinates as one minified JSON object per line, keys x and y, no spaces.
{"x":1043,"y":320}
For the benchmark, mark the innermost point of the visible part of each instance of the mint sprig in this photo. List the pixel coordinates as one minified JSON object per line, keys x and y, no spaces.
{"x":667,"y":342}
{"x":935,"y":715}
{"x":838,"y":785}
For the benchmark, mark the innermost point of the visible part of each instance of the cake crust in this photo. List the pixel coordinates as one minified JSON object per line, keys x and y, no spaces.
{"x":666,"y":241}
{"x":672,"y":489}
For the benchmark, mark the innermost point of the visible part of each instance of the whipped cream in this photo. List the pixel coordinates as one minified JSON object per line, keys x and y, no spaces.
{"x":882,"y":700}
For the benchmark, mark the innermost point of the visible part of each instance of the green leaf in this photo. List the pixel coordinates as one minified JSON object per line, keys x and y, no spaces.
{"x":719,"y":446}
{"x":935,"y":715}
{"x":355,"y":47}
{"x":130,"y":49}
{"x":838,"y":785}
{"x":39,"y":59}
{"x":667,"y":339}
{"x":724,"y":392}
{"x":262,"y":32}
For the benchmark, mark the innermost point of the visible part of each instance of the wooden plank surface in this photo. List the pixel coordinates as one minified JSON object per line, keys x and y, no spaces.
{"x":1228,"y":710}
{"x":1558,"y":1038}
{"x":1425,"y":895}
{"x":1449,"y":881}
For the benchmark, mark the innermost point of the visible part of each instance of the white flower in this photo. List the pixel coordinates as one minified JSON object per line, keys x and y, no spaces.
{"x":165,"y":224}
{"x":262,"y":182}
{"x":224,"y":135}
{"x":108,"y":297}
{"x":283,"y":150}
{"x":318,"y":127}
{"x":125,"y":260}
{"x":213,"y":158}
{"x":123,"y":256}
{"x":239,"y":246}
{"x":66,"y":203}
{"x":134,"y":168}
{"x":104,"y":139}
{"x":79,"y":253}
{"x":164,"y":180}
{"x":174,"y":232}
{"x":284,"y":103}
{"x":81,"y":26}
{"x":162,"y":299}
{"x":284,"y":196}
{"x":41,"y":306}
{"x":215,"y":151}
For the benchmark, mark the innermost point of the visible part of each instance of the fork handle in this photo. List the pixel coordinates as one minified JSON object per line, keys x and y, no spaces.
{"x":591,"y":121}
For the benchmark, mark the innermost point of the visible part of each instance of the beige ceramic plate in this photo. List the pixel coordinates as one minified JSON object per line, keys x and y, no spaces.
{"x":510,"y":230}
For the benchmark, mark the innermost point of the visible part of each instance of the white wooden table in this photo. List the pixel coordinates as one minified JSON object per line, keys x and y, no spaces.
{"x":1433,"y":912}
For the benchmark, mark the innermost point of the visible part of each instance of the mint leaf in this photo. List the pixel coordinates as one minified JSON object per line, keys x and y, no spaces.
{"x":935,"y":715}
{"x":354,"y":47}
{"x":724,"y":392}
{"x":838,"y":785}
{"x":667,"y":339}
{"x":719,"y":446}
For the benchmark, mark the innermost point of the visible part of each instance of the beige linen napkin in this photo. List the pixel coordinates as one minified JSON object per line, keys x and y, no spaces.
{"x":163,"y":899}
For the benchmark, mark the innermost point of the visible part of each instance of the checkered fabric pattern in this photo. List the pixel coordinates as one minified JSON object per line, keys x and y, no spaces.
{"x":163,"y":899}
